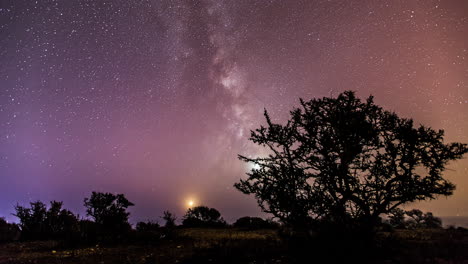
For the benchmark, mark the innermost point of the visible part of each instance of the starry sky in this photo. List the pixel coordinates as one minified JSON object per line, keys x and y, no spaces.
{"x":155,"y":98}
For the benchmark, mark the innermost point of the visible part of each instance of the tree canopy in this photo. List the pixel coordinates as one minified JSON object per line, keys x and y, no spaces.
{"x":344,"y":159}
{"x":109,"y":210}
{"x":202,"y":216}
{"x":38,"y":222}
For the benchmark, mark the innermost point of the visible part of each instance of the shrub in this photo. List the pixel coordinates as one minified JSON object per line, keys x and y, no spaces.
{"x":202,"y":216}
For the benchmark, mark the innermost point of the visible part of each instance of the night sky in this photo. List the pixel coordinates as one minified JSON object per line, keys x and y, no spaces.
{"x":155,"y":99}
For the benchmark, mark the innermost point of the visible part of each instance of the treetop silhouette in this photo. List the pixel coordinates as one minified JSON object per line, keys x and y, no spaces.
{"x":109,"y":210}
{"x":203,"y":216}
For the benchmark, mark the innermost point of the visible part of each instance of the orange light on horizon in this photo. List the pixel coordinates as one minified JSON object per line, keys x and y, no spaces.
{"x":190,"y":203}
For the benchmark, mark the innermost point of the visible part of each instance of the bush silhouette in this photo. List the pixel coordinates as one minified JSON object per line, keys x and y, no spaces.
{"x":109,"y":212}
{"x":32,"y":220}
{"x":346,"y":161}
{"x":430,"y":221}
{"x":202,"y":216}
{"x":38,"y":223}
{"x":169,"y":219}
{"x":61,"y":223}
{"x":413,"y":219}
{"x":418,"y":219}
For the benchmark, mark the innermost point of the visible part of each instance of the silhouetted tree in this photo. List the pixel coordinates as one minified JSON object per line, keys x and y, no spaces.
{"x":203,"y":216}
{"x":169,"y":218}
{"x":32,"y":220}
{"x":109,"y":211}
{"x":347,"y":161}
{"x":60,"y":223}
{"x":37,"y":222}
{"x":419,"y":219}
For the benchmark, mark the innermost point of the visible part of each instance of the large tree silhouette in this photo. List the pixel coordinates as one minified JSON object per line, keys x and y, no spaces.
{"x":347,"y":161}
{"x":109,"y":211}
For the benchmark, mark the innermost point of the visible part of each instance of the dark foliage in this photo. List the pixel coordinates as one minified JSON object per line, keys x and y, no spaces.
{"x":109,"y":212}
{"x":147,"y":233}
{"x":418,"y":219}
{"x":38,"y":223}
{"x":55,"y":223}
{"x":61,"y":223}
{"x":430,"y":221}
{"x":346,"y":161}
{"x":169,"y":218}
{"x":202,"y":216}
{"x":32,"y":220}
{"x":413,"y":219}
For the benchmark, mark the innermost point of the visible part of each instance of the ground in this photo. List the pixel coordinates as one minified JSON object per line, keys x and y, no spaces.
{"x":243,"y":246}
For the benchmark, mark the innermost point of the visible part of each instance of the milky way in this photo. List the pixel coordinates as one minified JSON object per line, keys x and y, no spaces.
{"x":155,"y":99}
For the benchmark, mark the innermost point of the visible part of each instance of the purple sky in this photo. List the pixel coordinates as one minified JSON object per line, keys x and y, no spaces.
{"x":155,"y":99}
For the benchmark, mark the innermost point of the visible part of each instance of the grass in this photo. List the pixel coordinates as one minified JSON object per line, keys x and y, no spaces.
{"x":241,"y":246}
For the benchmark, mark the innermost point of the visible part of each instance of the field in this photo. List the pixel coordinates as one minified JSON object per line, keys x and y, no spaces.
{"x":257,"y":246}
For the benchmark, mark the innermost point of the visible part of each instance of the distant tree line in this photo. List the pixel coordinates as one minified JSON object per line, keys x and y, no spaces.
{"x":108,"y":222}
{"x":413,"y":219}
